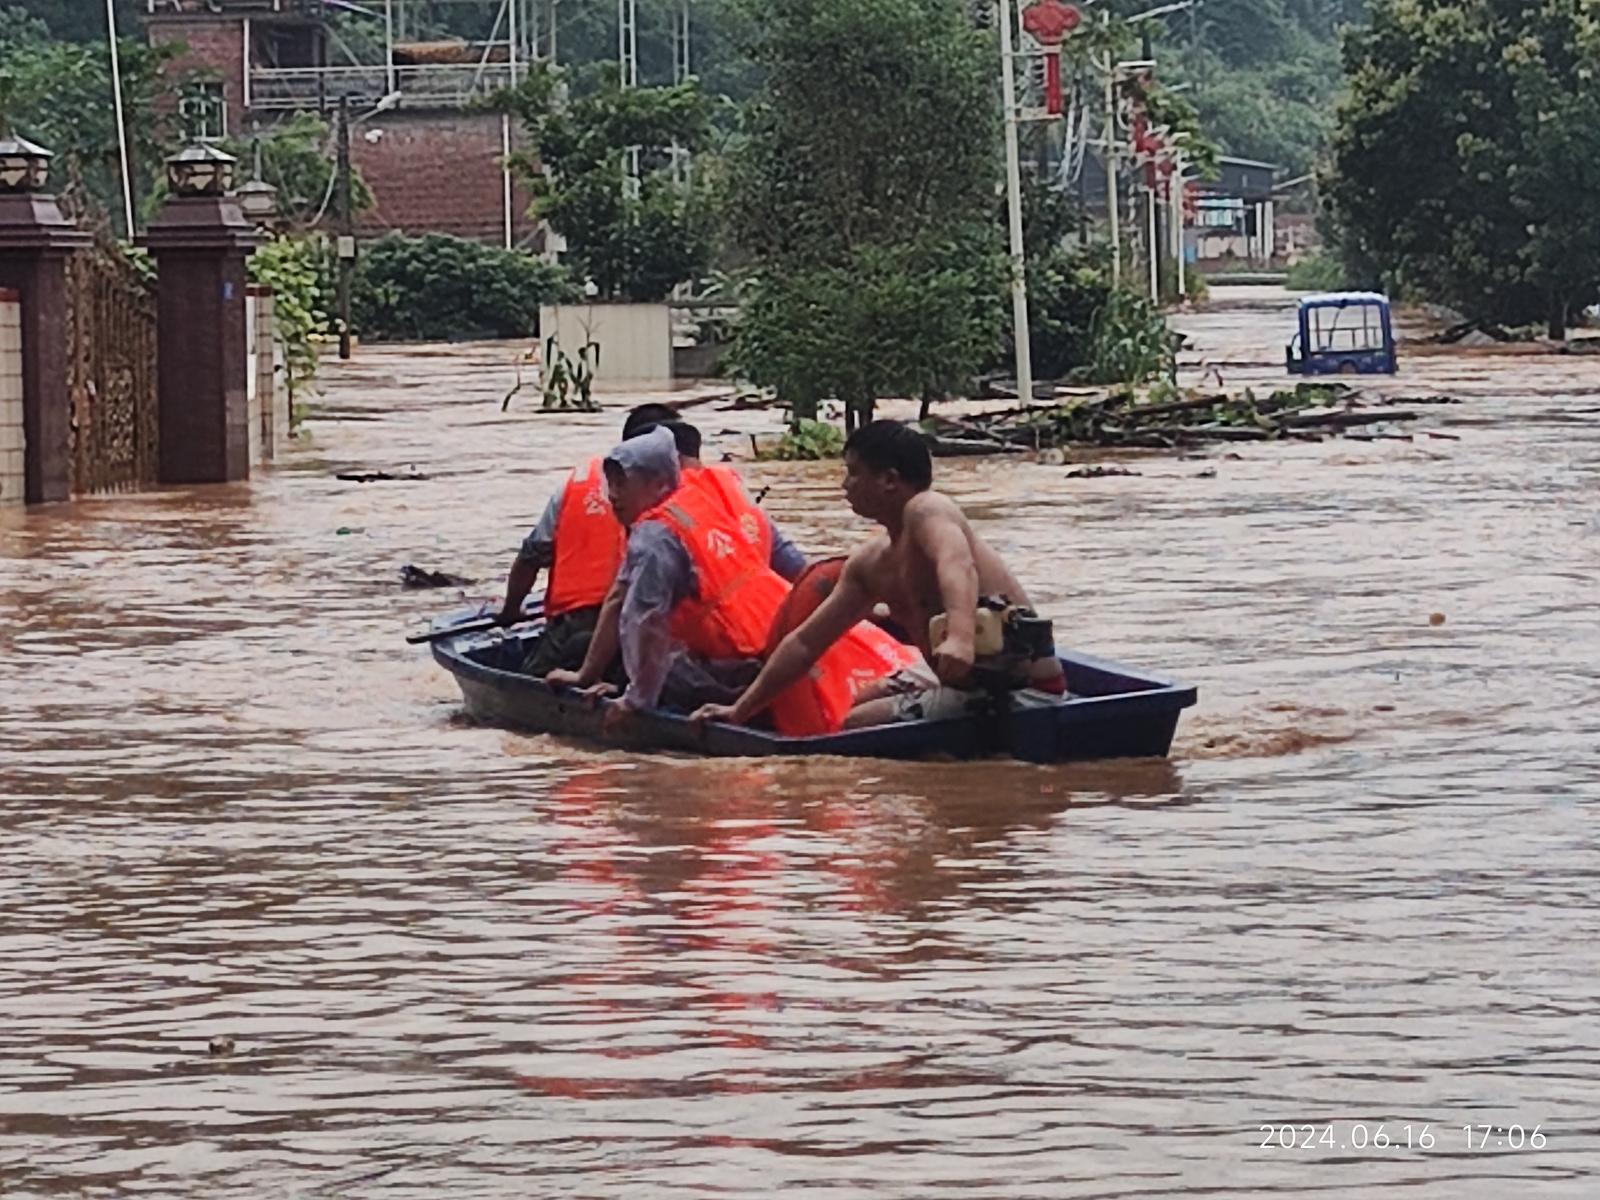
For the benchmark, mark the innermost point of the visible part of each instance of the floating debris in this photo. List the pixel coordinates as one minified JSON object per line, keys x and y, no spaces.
{"x":1098,"y":472}
{"x":378,"y":477}
{"x":412,"y":576}
{"x":1306,"y":412}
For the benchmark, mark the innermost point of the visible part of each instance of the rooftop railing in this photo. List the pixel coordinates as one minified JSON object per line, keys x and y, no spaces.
{"x":243,"y":7}
{"x":453,"y":85}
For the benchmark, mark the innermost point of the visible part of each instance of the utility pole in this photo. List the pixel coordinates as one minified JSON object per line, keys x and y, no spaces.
{"x":1152,"y":242}
{"x":681,"y":69}
{"x":1112,"y":198}
{"x":1175,"y":218}
{"x":1019,"y":279}
{"x":628,"y":69}
{"x":1148,"y":55}
{"x":388,"y":46}
{"x":509,"y":240}
{"x":346,"y":244}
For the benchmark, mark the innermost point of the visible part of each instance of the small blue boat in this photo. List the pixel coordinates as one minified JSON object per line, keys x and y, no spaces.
{"x":1110,"y":711}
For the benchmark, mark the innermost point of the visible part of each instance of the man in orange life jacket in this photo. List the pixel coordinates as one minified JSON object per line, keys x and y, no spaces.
{"x":580,"y":543}
{"x":927,"y":562}
{"x":697,"y":577}
{"x":691,"y":681}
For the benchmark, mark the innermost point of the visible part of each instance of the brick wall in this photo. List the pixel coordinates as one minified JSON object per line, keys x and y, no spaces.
{"x":436,"y":172}
{"x":213,"y":45}
{"x":12,"y":443}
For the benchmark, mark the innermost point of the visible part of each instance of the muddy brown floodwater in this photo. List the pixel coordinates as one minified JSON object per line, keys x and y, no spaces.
{"x":442,"y":960}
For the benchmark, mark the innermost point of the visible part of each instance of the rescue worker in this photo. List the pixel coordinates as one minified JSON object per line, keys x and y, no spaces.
{"x":580,"y":543}
{"x":696,"y":579}
{"x":689,"y":681}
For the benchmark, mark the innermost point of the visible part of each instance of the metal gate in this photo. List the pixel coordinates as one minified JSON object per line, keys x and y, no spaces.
{"x":111,"y":372}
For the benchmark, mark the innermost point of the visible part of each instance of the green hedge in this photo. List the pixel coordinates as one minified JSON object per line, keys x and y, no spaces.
{"x":439,"y":288}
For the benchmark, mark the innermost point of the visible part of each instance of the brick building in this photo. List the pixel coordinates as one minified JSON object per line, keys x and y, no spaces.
{"x":433,"y":164}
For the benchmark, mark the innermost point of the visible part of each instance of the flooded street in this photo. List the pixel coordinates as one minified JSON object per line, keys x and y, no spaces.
{"x":444,"y":960}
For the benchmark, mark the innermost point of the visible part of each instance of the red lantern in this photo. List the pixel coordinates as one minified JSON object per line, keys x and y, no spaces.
{"x":1048,"y":22}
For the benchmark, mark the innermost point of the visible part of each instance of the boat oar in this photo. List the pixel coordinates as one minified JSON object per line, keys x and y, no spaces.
{"x":434,"y":635}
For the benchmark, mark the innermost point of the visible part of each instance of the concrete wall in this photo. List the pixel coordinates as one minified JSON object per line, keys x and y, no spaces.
{"x":267,"y":377}
{"x":635,"y":339}
{"x":12,"y":442}
{"x":272,"y":381}
{"x":255,"y":300}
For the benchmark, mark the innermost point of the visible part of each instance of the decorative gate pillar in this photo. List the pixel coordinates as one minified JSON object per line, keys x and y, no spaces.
{"x":35,"y":240}
{"x":200,"y":240}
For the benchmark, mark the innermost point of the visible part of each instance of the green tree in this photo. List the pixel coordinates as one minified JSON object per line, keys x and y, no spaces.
{"x":81,"y":20}
{"x":633,"y":239}
{"x":862,"y":191}
{"x":58,"y":93}
{"x":1467,"y":150}
{"x":297,"y":159}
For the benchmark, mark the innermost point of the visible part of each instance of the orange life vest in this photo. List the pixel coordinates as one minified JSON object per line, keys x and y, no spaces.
{"x":722,"y":482}
{"x":739,"y":595}
{"x":813,"y":585}
{"x":589,"y":543}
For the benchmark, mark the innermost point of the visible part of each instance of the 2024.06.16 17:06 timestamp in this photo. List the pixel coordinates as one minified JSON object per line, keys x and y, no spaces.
{"x":1364,"y":1136}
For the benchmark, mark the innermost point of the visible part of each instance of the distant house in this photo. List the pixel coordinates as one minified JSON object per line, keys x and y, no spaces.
{"x":433,"y":162}
{"x":1232,"y":222}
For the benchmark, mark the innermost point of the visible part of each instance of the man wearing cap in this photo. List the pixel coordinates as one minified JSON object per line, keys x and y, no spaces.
{"x":697,"y":577}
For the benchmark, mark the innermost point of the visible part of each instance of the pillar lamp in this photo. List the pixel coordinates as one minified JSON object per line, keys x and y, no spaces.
{"x":24,"y":166}
{"x":259,"y":201}
{"x":200,"y":170}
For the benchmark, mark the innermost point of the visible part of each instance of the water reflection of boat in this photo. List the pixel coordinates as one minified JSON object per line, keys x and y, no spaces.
{"x":1111,"y":711}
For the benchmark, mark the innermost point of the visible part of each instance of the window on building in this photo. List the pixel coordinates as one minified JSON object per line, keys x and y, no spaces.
{"x":204,"y":111}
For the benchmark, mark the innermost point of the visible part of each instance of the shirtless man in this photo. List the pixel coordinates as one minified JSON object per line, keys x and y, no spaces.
{"x":927,"y":561}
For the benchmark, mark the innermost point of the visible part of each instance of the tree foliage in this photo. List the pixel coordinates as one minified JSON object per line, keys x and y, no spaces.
{"x":80,"y":20}
{"x":1465,"y":155}
{"x":1264,"y":73}
{"x":58,"y":93}
{"x":297,"y":158}
{"x":297,"y":271}
{"x":633,"y":242}
{"x":862,"y":189}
